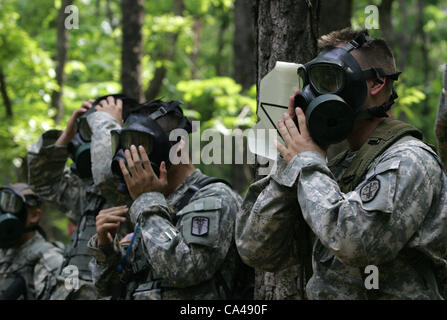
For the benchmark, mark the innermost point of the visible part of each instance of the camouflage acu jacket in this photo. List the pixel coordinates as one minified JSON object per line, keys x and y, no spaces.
{"x":396,"y":219}
{"x":37,"y":262}
{"x":184,"y":254}
{"x":49,"y":177}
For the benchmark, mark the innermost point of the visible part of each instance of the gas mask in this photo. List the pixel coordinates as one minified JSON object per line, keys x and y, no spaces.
{"x":335,"y":89}
{"x":140,"y":129}
{"x":13,"y":214}
{"x":79,"y":147}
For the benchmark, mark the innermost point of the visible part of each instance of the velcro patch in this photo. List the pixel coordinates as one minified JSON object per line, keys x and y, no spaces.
{"x":370,"y":190}
{"x":199,"y":226}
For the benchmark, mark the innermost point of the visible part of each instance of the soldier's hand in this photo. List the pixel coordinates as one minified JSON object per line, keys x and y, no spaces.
{"x":70,"y":131}
{"x":141,"y":178}
{"x":108,"y":222}
{"x":296,"y":141}
{"x":112,"y":107}
{"x":291,"y":109}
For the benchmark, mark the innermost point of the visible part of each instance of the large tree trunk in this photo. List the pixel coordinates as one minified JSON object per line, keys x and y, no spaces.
{"x":244,"y":44}
{"x":386,"y":26}
{"x":244,"y":72}
{"x":62,"y":50}
{"x":286,"y":31}
{"x":335,"y":15}
{"x":5,"y":97}
{"x":132,"y":48}
{"x":156,"y":83}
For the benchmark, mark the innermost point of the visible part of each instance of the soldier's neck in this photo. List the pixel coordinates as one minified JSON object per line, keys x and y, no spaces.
{"x":177,"y":174}
{"x":25,"y":237}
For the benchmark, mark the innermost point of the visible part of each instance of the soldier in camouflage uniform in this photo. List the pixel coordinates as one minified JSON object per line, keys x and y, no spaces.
{"x":186,"y":253}
{"x":29,"y":268}
{"x":50,"y":178}
{"x":383,"y":202}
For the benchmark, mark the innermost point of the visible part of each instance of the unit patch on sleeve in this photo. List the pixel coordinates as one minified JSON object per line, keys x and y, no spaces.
{"x":369,"y":190}
{"x":199,"y":226}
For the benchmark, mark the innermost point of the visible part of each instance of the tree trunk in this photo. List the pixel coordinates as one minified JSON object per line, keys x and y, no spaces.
{"x":335,"y":15}
{"x":62,"y":50}
{"x":286,"y":31}
{"x":224,"y":22}
{"x":386,"y":26}
{"x":197,"y":29}
{"x":5,"y":96}
{"x":154,"y":87}
{"x":244,"y":44}
{"x":132,"y":48}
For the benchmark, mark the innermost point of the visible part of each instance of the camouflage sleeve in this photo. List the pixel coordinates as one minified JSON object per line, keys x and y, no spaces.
{"x":441,"y":120}
{"x":104,"y":267}
{"x":46,"y":272}
{"x":192,"y":252}
{"x":266,"y":223}
{"x":371,"y":224}
{"x":48,"y":176}
{"x":101,"y":123}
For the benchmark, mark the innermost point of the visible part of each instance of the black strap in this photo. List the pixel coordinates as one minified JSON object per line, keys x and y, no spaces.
{"x":378,"y":111}
{"x":189,"y":193}
{"x":165,"y":109}
{"x":377,"y":73}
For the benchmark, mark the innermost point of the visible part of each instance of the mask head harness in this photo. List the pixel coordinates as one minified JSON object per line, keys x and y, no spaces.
{"x":142,"y":129}
{"x":79,"y":147}
{"x":335,"y":89}
{"x":13,"y":213}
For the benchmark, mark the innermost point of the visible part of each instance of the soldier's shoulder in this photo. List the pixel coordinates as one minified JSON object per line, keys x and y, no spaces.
{"x":51,"y":255}
{"x":221,"y":190}
{"x":415,"y":154}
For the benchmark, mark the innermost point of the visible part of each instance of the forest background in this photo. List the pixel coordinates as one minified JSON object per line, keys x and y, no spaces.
{"x":203,"y":52}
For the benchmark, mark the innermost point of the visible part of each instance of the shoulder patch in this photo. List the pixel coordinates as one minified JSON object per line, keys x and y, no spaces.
{"x":370,"y":190}
{"x":199,"y":226}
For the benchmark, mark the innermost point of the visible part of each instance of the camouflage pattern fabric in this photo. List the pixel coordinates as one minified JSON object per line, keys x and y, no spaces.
{"x":395,"y":219}
{"x":37,"y":261}
{"x":101,"y":123}
{"x":185,"y":252}
{"x":49,"y":177}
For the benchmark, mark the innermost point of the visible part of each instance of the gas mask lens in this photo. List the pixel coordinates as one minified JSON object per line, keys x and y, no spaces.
{"x":124,"y":139}
{"x":10,"y":202}
{"x":326,"y":78}
{"x":84,"y":130}
{"x":303,"y":75}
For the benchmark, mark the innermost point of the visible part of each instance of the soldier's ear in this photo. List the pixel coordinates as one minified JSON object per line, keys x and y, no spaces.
{"x":33,"y":215}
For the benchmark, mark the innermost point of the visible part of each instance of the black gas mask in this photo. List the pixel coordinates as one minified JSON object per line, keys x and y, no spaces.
{"x":13,"y":214}
{"x":335,"y":89}
{"x":141,"y":129}
{"x":79,"y":147}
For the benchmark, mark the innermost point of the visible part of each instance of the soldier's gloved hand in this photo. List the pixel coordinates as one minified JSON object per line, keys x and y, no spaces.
{"x":142,"y":177}
{"x":70,"y":131}
{"x":108,"y":222}
{"x":112,"y":107}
